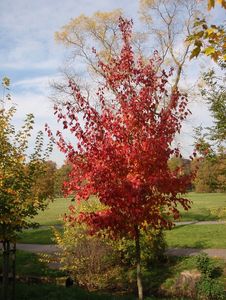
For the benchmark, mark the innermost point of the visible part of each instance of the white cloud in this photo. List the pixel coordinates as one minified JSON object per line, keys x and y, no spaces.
{"x":40,"y":83}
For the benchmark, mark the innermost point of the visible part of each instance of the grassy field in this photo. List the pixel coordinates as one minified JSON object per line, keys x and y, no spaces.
{"x":191,"y":236}
{"x":201,"y":208}
{"x":203,"y":204}
{"x":37,"y":236}
{"x":197,"y":236}
{"x":29,"y":264}
{"x":54,"y":213}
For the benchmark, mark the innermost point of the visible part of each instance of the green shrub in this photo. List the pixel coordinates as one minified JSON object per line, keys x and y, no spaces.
{"x":207,"y":268}
{"x":153,"y":248}
{"x":211,"y":289}
{"x":98,"y":262}
{"x":208,"y":287}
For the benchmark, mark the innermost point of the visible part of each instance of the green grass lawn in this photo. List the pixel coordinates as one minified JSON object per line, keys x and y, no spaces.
{"x":53,"y":214}
{"x":192,"y":236}
{"x":202,"y":205}
{"x":200,"y":236}
{"x":197,"y":236}
{"x":29,"y":264}
{"x":37,"y":236}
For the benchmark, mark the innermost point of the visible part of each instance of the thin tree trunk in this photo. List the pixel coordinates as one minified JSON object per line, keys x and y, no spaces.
{"x":13,"y":270}
{"x":5,"y":279}
{"x":138,"y":262}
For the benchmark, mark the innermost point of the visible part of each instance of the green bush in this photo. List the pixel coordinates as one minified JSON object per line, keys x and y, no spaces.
{"x":152,"y":244}
{"x":207,"y":268}
{"x":211,"y":289}
{"x":98,"y":262}
{"x":208,"y":287}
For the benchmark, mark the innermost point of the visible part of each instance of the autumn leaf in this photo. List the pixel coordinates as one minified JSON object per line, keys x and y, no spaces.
{"x":208,"y":51}
{"x":195,"y":52}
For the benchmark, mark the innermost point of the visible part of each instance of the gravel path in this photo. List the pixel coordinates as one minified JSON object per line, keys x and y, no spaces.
{"x":37,"y":248}
{"x":199,"y":223}
{"x":221,"y":253}
{"x":176,"y":223}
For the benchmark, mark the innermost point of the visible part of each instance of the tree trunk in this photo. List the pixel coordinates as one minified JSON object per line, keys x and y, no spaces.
{"x":5,"y":279}
{"x":138,"y":262}
{"x":13,"y":270}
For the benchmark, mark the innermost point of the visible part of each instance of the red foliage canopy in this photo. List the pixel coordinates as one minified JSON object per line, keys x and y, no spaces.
{"x":124,"y":144}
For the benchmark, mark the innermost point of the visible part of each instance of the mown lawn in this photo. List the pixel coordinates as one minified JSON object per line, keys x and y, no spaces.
{"x":29,"y":264}
{"x":43,"y":236}
{"x":53,"y":214}
{"x":191,"y":236}
{"x":203,"y":206}
{"x":197,"y":236}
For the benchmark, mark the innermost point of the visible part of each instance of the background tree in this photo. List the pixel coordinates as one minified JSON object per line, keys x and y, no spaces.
{"x":209,"y":39}
{"x":166,"y":26}
{"x":211,"y":174}
{"x":45,"y":183}
{"x":61,"y":176}
{"x":20,"y":200}
{"x":214,"y":93}
{"x":123,"y":148}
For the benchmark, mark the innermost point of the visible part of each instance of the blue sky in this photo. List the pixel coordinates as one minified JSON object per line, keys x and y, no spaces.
{"x":31,"y":58}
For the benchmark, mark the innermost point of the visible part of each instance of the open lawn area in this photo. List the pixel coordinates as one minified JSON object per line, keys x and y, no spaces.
{"x":197,"y":236}
{"x":191,"y":236}
{"x":203,"y":205}
{"x":53,"y":214}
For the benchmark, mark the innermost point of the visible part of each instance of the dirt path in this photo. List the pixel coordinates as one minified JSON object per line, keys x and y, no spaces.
{"x":176,"y":223}
{"x":217,"y":253}
{"x":37,"y":248}
{"x":221,"y":253}
{"x":200,"y":223}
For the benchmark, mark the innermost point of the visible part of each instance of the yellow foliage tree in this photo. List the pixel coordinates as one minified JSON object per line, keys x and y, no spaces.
{"x":19,"y":200}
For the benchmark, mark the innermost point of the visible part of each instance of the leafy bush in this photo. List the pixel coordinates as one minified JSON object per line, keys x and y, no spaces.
{"x":153,"y":247}
{"x":97,"y":262}
{"x":207,"y":268}
{"x":89,"y":260}
{"x":208,"y":287}
{"x":211,"y":289}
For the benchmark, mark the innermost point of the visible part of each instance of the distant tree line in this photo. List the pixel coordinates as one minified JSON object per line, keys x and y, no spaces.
{"x":211,"y":172}
{"x":210,"y":176}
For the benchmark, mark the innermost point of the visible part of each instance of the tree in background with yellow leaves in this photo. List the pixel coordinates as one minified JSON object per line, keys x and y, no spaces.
{"x":20,"y":199}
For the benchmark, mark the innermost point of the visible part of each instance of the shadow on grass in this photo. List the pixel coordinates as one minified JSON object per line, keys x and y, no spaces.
{"x":28,"y":264}
{"x":157,"y":274}
{"x":190,"y":216}
{"x":52,"y":292}
{"x":203,"y":244}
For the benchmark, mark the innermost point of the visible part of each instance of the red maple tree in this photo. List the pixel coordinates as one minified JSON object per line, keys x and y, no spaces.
{"x":123,"y":146}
